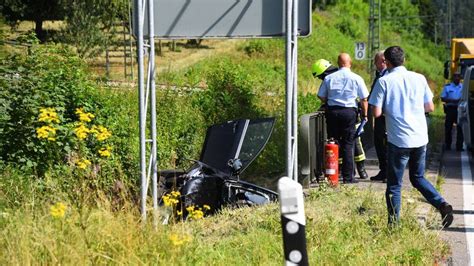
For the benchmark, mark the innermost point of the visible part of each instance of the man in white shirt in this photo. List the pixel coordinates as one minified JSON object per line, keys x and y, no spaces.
{"x":404,"y":97}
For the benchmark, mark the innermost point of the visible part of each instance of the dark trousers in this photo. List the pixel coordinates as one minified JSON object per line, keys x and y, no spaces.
{"x":341,"y":126}
{"x":380,"y":143}
{"x":451,"y":118}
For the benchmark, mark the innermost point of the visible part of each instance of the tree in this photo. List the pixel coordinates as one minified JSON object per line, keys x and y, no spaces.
{"x":33,"y":10}
{"x":90,"y":24}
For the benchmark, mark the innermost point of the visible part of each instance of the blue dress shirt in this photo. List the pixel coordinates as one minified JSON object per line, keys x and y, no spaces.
{"x":402,"y":95}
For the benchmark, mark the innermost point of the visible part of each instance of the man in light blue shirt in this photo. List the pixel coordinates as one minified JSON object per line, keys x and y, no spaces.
{"x":451,"y":95}
{"x":404,"y":97}
{"x":340,"y":91}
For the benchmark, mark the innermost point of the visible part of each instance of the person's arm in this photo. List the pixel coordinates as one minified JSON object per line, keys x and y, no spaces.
{"x":428,"y":99}
{"x":429,"y":107}
{"x":376,"y":99}
{"x":323,"y":92}
{"x":363,"y":98}
{"x":376,"y":111}
{"x":364,"y":107}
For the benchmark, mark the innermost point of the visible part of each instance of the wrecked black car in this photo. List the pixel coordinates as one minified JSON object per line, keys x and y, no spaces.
{"x":213,"y":180}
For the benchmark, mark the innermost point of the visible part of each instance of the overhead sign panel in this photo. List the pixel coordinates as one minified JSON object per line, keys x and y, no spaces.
{"x":200,"y":19}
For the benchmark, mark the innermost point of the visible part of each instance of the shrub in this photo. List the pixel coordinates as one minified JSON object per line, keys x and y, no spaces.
{"x":49,"y":77}
{"x":229,"y":94}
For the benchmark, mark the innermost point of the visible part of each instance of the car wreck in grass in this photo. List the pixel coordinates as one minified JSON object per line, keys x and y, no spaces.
{"x":213,"y":180}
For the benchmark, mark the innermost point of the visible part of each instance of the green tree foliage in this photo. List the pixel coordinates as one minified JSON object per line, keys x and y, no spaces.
{"x":90,"y":24}
{"x":34,"y":10}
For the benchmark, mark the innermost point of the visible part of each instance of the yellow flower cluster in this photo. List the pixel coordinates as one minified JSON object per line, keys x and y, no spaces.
{"x":83,"y":164}
{"x":58,"y":210}
{"x":101,"y":132}
{"x":48,"y":115}
{"x":84,"y":116}
{"x":105,"y":152}
{"x":177,"y":240}
{"x":171,"y":199}
{"x":81,"y":131}
{"x":46,"y":132}
{"x":197,"y":213}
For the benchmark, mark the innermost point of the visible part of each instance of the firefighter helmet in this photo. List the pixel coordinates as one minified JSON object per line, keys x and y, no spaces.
{"x":320,"y":66}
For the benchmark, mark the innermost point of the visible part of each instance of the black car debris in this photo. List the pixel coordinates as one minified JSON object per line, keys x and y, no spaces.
{"x":213,"y":180}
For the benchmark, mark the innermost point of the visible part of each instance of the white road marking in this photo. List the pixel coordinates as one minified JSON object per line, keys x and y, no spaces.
{"x":468,"y":192}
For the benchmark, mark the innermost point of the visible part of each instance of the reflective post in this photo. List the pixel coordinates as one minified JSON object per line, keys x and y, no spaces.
{"x":293,"y":221}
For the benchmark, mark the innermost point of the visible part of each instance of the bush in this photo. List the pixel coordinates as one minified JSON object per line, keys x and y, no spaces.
{"x":229,"y":94}
{"x":49,"y":77}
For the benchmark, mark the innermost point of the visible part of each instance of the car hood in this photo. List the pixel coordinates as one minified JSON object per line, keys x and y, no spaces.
{"x":242,"y":139}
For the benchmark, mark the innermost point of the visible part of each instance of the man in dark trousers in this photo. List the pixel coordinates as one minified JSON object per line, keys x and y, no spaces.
{"x":339,"y":91}
{"x":451,"y":95}
{"x":380,"y":133}
{"x":320,"y":69}
{"x":405,"y":97}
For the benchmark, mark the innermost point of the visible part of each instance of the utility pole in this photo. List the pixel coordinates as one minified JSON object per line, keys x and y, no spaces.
{"x":375,"y":21}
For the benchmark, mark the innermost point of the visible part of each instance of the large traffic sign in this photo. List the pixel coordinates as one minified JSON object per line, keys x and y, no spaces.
{"x":200,"y":19}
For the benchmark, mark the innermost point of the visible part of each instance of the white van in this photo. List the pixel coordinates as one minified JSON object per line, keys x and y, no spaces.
{"x":466,"y":108}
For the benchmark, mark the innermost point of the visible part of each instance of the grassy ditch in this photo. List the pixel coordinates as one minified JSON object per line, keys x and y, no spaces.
{"x":344,"y":226}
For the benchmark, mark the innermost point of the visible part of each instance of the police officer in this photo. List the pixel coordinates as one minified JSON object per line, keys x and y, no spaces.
{"x":451,"y":95}
{"x":320,"y":69}
{"x":339,"y":91}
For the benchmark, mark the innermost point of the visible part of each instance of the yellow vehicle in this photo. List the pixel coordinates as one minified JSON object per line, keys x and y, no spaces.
{"x":462,"y":56}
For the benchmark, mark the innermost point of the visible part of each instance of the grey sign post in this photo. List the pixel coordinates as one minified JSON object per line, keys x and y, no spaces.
{"x":201,"y":19}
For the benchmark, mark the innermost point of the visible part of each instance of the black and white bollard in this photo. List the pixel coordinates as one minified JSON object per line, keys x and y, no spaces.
{"x":292,"y":221}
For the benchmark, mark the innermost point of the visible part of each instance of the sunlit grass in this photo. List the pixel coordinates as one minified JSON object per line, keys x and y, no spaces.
{"x":344,"y":226}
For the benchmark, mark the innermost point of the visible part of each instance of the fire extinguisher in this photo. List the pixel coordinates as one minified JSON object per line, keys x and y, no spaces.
{"x":331,"y":158}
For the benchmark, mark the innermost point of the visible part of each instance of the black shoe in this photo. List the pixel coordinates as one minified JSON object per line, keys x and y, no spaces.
{"x":353,"y":181}
{"x":379,"y":177}
{"x":363,"y":174}
{"x":361,"y":170}
{"x":446,"y":211}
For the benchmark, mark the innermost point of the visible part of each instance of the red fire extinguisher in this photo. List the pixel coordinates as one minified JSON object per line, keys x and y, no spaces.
{"x":331,"y":158}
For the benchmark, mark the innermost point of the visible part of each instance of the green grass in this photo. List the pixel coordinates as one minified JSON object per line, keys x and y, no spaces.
{"x":344,"y":226}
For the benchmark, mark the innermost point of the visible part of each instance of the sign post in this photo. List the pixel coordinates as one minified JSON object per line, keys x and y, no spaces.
{"x":360,"y":50}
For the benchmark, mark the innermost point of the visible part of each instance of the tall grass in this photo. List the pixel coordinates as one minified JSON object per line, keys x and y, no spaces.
{"x":344,"y":226}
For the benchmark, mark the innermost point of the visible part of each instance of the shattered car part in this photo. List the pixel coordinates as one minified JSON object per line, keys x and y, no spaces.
{"x":229,"y":148}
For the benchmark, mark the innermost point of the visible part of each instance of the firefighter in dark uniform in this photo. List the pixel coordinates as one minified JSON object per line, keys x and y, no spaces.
{"x":339,"y":91}
{"x":451,"y":95}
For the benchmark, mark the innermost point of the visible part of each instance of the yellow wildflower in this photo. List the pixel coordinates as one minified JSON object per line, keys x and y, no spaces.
{"x":46,"y":132}
{"x":58,"y":210}
{"x":84,"y":116}
{"x":206,"y":207}
{"x":178,"y":240}
{"x":105,"y":152}
{"x":48,"y":115}
{"x":171,"y":199}
{"x":179,"y":213}
{"x":102,"y":133}
{"x":190,"y":209}
{"x":83,"y":164}
{"x":81,"y":131}
{"x":196,"y":214}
